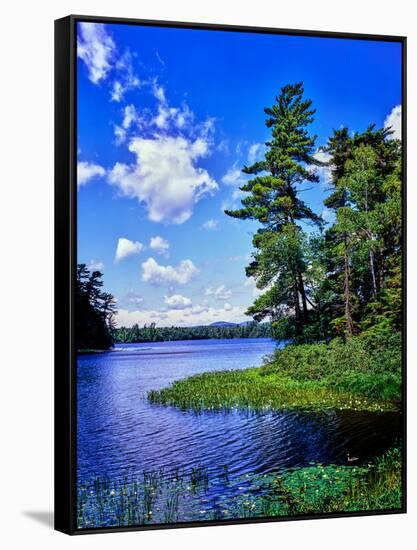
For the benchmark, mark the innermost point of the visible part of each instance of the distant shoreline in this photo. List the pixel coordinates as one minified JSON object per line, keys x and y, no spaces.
{"x":93,"y":351}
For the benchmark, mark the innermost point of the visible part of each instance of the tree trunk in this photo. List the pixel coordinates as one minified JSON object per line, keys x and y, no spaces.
{"x":303,"y":295}
{"x":346,"y":289}
{"x":372,"y":266}
{"x":297,"y":306}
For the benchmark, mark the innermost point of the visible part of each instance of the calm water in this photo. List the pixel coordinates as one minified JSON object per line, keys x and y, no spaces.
{"x":120,"y":433}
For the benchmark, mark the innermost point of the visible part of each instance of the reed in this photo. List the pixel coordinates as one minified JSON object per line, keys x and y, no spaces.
{"x":183,"y":495}
{"x":251,"y":390}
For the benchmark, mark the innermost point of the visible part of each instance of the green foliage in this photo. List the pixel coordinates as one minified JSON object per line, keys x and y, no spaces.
{"x":368,"y":365}
{"x":95,"y":311}
{"x":347,"y":279}
{"x":364,"y":244}
{"x":152,"y":333}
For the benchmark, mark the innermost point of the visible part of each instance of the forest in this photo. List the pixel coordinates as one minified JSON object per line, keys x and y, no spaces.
{"x":152,"y":333}
{"x":323,"y":280}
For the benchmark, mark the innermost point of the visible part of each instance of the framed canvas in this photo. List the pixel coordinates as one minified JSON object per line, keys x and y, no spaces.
{"x":230,"y":280}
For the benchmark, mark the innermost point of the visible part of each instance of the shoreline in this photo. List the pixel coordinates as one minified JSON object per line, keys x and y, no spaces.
{"x":351,"y":375}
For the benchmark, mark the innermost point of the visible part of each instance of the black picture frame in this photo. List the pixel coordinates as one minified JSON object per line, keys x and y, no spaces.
{"x":65,"y":265}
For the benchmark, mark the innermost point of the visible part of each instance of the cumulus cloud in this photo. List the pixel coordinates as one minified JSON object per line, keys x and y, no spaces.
{"x":177,"y":301}
{"x":97,"y":49}
{"x":126,"y":248}
{"x":86,"y":171}
{"x":160,"y":245}
{"x":210,"y":224}
{"x":220,"y":293}
{"x":156,"y":274}
{"x":393,"y":121}
{"x":165,"y":177}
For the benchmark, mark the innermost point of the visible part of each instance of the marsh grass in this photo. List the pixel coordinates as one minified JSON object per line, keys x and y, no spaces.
{"x":155,"y":497}
{"x":361,"y":374}
{"x":251,"y":389}
{"x":167,"y":497}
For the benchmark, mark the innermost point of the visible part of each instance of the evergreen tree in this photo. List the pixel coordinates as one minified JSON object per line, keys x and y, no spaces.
{"x":95,"y":310}
{"x":279,"y":262}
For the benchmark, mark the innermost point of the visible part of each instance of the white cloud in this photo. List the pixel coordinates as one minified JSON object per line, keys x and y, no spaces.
{"x":192,"y":316}
{"x":97,"y":49}
{"x":172,"y":117}
{"x":210,"y":224}
{"x":255,"y":152}
{"x":158,"y":91}
{"x":165,"y":178}
{"x":126,"y":78}
{"x":393,"y":121}
{"x":120,"y":134}
{"x":130,"y":116}
{"x":161,"y":275}
{"x":126,"y":248}
{"x":234,"y":176}
{"x":159,"y":244}
{"x":95,"y":265}
{"x":323,"y":172}
{"x":220,"y":293}
{"x":177,"y":301}
{"x":87,"y":171}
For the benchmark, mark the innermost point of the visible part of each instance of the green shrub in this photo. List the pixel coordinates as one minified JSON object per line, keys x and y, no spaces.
{"x":369,"y":364}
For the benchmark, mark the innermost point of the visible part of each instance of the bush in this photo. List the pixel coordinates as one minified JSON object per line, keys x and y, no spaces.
{"x":369,"y":364}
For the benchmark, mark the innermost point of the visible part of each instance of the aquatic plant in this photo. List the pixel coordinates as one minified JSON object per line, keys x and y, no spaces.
{"x":183,"y":495}
{"x":250,"y":389}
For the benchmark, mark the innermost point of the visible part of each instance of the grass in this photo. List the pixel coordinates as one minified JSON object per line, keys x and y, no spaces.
{"x":358,"y":375}
{"x":250,"y":389}
{"x":175,"y":496}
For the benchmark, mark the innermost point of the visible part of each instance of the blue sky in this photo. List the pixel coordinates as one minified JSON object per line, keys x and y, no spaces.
{"x":166,"y":120}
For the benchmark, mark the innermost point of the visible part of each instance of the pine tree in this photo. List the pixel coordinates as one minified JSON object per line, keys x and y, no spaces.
{"x":279,"y":264}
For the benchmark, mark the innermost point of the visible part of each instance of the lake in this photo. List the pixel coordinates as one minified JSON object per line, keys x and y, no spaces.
{"x":120,"y":433}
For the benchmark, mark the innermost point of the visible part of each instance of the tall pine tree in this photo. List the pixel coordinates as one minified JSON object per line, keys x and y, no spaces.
{"x":279,"y":261}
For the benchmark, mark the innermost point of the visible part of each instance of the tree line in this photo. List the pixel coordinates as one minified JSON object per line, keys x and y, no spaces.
{"x":324,"y":280}
{"x":152,"y":333}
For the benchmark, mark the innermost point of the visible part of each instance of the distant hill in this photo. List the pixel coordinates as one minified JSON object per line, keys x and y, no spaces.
{"x":222,"y":324}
